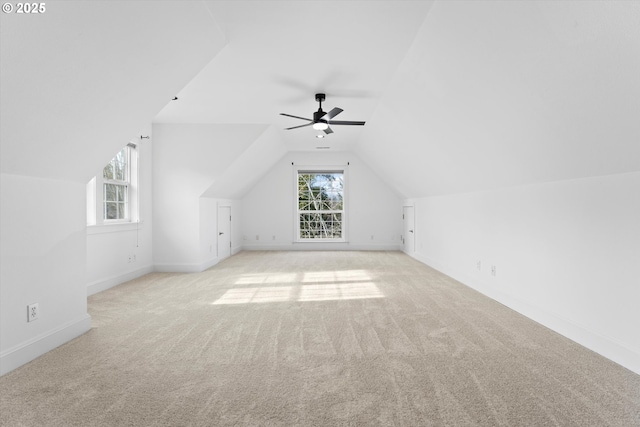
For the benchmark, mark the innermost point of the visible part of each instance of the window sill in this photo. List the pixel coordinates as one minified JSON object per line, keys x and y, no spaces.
{"x":115,"y":227}
{"x":320,"y":241}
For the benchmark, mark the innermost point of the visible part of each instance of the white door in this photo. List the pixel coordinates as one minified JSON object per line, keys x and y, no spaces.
{"x":408,"y":235}
{"x":224,"y":232}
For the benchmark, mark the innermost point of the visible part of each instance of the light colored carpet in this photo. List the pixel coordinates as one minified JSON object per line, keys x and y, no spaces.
{"x":315,"y":339}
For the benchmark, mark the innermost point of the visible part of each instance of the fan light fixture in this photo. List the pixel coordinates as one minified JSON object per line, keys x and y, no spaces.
{"x":320,"y":136}
{"x":323,"y":121}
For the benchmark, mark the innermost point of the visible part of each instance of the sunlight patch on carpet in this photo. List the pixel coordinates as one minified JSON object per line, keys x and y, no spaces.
{"x":256,"y":279}
{"x":339,"y":291}
{"x":255,"y":295}
{"x":304,"y":293}
{"x":335,"y":276}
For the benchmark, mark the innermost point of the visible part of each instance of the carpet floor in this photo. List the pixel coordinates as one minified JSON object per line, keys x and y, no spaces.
{"x":315,"y":339}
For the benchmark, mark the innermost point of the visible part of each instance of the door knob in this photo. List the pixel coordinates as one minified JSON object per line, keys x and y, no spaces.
{"x":220,"y":233}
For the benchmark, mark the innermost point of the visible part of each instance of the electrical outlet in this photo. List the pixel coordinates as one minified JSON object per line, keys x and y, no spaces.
{"x":273,"y":237}
{"x":133,"y":258}
{"x":257,"y":237}
{"x":493,"y":270}
{"x":479,"y":265}
{"x":33,"y":311}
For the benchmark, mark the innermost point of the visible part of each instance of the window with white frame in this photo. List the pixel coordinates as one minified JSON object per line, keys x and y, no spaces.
{"x":321,"y":205}
{"x":115,"y":190}
{"x":112,"y":195}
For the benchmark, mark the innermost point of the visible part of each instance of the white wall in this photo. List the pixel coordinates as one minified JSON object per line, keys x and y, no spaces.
{"x":209,"y":229}
{"x":120,"y":252}
{"x":187,"y":160}
{"x":98,"y":72}
{"x":567,"y":254}
{"x":43,"y":261}
{"x":208,"y":223}
{"x":374,"y":209}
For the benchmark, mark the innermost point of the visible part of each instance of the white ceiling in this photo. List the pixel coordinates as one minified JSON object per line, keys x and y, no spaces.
{"x":82,"y":79}
{"x":457,"y":95}
{"x":500,"y":94}
{"x":279,"y":54}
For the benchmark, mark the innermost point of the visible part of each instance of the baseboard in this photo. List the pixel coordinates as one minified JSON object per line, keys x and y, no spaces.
{"x":177,"y":268}
{"x":26,"y":352}
{"x":208,"y":264}
{"x":110,"y":282}
{"x":320,"y":246}
{"x":185,"y":268}
{"x":603,"y":345}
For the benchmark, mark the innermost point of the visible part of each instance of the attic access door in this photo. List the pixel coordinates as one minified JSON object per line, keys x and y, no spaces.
{"x":408,"y":236}
{"x":224,"y":232}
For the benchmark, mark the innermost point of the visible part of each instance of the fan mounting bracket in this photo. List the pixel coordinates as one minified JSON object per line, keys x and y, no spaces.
{"x":320,"y":97}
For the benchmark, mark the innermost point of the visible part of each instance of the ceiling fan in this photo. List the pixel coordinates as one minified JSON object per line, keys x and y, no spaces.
{"x":322,"y":119}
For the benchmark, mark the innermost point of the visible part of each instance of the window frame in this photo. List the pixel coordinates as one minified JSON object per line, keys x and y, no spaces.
{"x":96,"y":207}
{"x":124,"y":183}
{"x":297,"y":211}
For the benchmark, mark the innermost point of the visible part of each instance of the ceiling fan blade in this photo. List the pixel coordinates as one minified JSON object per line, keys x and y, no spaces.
{"x":343,"y":122}
{"x":301,"y":126}
{"x":296,"y":117}
{"x":331,"y":114}
{"x":328,"y":131}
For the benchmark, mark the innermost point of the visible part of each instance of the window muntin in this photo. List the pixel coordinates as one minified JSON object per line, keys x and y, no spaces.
{"x":320,"y":212}
{"x":116,"y":185}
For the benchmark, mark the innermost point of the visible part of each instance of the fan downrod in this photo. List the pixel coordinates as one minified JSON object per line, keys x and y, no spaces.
{"x":317,"y":116}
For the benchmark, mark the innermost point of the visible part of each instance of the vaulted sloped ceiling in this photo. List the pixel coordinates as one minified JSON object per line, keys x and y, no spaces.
{"x":458,"y":95}
{"x":243,"y":173}
{"x":498,"y":94}
{"x":280,"y":53}
{"x":82,"y":79}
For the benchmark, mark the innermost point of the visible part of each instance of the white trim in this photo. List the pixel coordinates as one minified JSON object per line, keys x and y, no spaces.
{"x":104,"y":284}
{"x":321,"y":246}
{"x":31,"y":349}
{"x":91,"y":202}
{"x":344,"y":169}
{"x":181,"y":268}
{"x":95,"y":192}
{"x":223,"y":204}
{"x":126,"y":183}
{"x":208,"y":264}
{"x":601,"y":344}
{"x":115,"y":227}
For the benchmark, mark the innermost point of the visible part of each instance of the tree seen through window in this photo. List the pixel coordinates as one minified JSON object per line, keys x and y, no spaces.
{"x":320,"y":205}
{"x":116,"y":186}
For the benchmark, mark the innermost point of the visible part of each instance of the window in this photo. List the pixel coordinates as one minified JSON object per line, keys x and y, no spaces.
{"x":116,"y":185}
{"x":321,"y":206}
{"x":112,"y":196}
